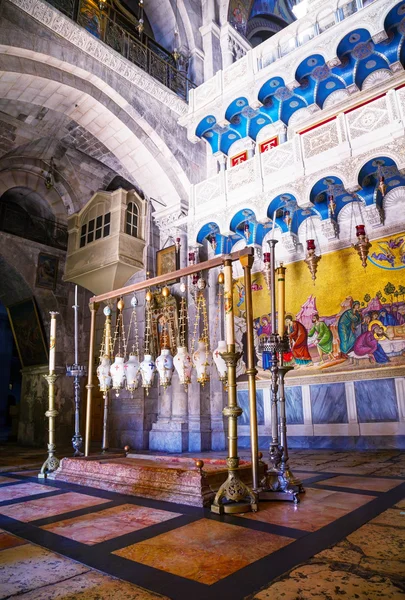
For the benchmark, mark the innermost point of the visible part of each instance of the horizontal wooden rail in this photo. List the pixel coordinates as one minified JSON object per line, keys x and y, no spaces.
{"x":143,"y":285}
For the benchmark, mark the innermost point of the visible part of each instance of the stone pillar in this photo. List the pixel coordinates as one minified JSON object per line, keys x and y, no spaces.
{"x":210,"y":34}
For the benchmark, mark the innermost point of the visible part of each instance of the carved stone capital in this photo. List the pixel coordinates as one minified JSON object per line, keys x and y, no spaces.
{"x":374,"y":216}
{"x":329,"y":229}
{"x":289,"y":241}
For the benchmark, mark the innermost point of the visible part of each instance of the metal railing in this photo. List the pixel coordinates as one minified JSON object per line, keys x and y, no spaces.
{"x":118,"y":32}
{"x":20,"y":223}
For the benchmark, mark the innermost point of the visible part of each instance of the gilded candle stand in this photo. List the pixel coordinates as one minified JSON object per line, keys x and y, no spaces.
{"x":233,"y":496}
{"x":52,"y":462}
{"x":278,"y":483}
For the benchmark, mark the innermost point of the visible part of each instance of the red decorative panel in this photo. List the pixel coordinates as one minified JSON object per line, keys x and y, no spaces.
{"x":239,"y":158}
{"x":268,"y":144}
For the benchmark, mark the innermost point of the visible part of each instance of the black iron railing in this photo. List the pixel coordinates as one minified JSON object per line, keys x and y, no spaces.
{"x":20,"y":223}
{"x":118,"y":32}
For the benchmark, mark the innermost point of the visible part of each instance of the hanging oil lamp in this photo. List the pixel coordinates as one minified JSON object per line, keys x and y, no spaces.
{"x":363,"y":245}
{"x":117,"y":368}
{"x":164,"y":362}
{"x":331,"y":203}
{"x":148,"y":367}
{"x":202,"y":358}
{"x":382,"y":187}
{"x":312,"y":259}
{"x":103,"y":369}
{"x":141,"y":26}
{"x":246,"y":230}
{"x":266,"y":269}
{"x":182,"y":360}
{"x":132,"y":365}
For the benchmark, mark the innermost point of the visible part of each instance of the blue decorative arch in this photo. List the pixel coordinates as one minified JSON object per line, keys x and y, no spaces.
{"x":369,"y":177}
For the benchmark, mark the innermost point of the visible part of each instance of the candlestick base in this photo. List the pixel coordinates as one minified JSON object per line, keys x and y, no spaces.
{"x":234,"y":496}
{"x":76,"y":371}
{"x":51,"y":463}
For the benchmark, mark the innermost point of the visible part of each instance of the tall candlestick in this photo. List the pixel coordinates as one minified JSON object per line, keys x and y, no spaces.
{"x":76,"y":308}
{"x":228,"y":302}
{"x":52,"y":341}
{"x":274,"y":225}
{"x":280,"y":272}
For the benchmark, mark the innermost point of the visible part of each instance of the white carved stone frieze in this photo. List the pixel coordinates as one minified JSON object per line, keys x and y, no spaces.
{"x":241,"y":175}
{"x":320,"y":140}
{"x":368,"y":118}
{"x":278,"y":158}
{"x":209,"y":190}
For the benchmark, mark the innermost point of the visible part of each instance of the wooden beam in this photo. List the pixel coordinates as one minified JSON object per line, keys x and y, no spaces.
{"x":143,"y":285}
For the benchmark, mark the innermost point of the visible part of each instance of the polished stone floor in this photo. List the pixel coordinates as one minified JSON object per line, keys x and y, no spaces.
{"x":346,"y":538}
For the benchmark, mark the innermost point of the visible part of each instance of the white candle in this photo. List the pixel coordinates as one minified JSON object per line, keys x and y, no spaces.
{"x":228,"y":303}
{"x":52,"y":342}
{"x":76,"y":308}
{"x":274,"y":225}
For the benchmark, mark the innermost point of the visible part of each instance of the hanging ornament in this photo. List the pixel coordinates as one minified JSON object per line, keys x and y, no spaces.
{"x":148,"y":367}
{"x":287,"y":218}
{"x":141,"y":26}
{"x":219,"y":361}
{"x":381,"y":182}
{"x":312,"y":259}
{"x":363,"y":245}
{"x":103,"y":370}
{"x":117,"y":368}
{"x":246,"y":230}
{"x":331,"y":203}
{"x":164,"y":362}
{"x":132,"y":365}
{"x":202,"y":357}
{"x":266,"y":269}
{"x":182,"y":360}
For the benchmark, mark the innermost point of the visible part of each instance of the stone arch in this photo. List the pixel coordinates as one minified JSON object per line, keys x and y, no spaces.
{"x":88,"y":91}
{"x":89,"y":113}
{"x":21,"y":178}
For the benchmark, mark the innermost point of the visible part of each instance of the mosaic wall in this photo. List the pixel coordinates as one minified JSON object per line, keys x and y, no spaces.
{"x":349,"y":319}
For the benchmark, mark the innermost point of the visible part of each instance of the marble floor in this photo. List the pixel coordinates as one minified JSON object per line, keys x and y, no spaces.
{"x":346,"y":538}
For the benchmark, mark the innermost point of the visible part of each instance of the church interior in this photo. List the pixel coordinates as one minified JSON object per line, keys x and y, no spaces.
{"x":212,"y":405}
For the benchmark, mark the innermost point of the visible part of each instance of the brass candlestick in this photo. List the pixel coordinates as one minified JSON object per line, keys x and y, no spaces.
{"x":247,"y":263}
{"x":52,"y":462}
{"x":233,"y":496}
{"x":278,"y":483}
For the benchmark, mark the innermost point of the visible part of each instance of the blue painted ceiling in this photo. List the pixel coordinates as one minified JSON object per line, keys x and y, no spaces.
{"x":359,"y":57}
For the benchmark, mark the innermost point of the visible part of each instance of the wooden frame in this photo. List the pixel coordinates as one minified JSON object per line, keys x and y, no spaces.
{"x":47,"y":271}
{"x":167,"y":261}
{"x":28,"y":335}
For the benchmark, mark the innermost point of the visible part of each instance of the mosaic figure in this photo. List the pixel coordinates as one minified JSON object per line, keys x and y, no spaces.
{"x":298,"y":337}
{"x":347,"y":326}
{"x":324,"y":340}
